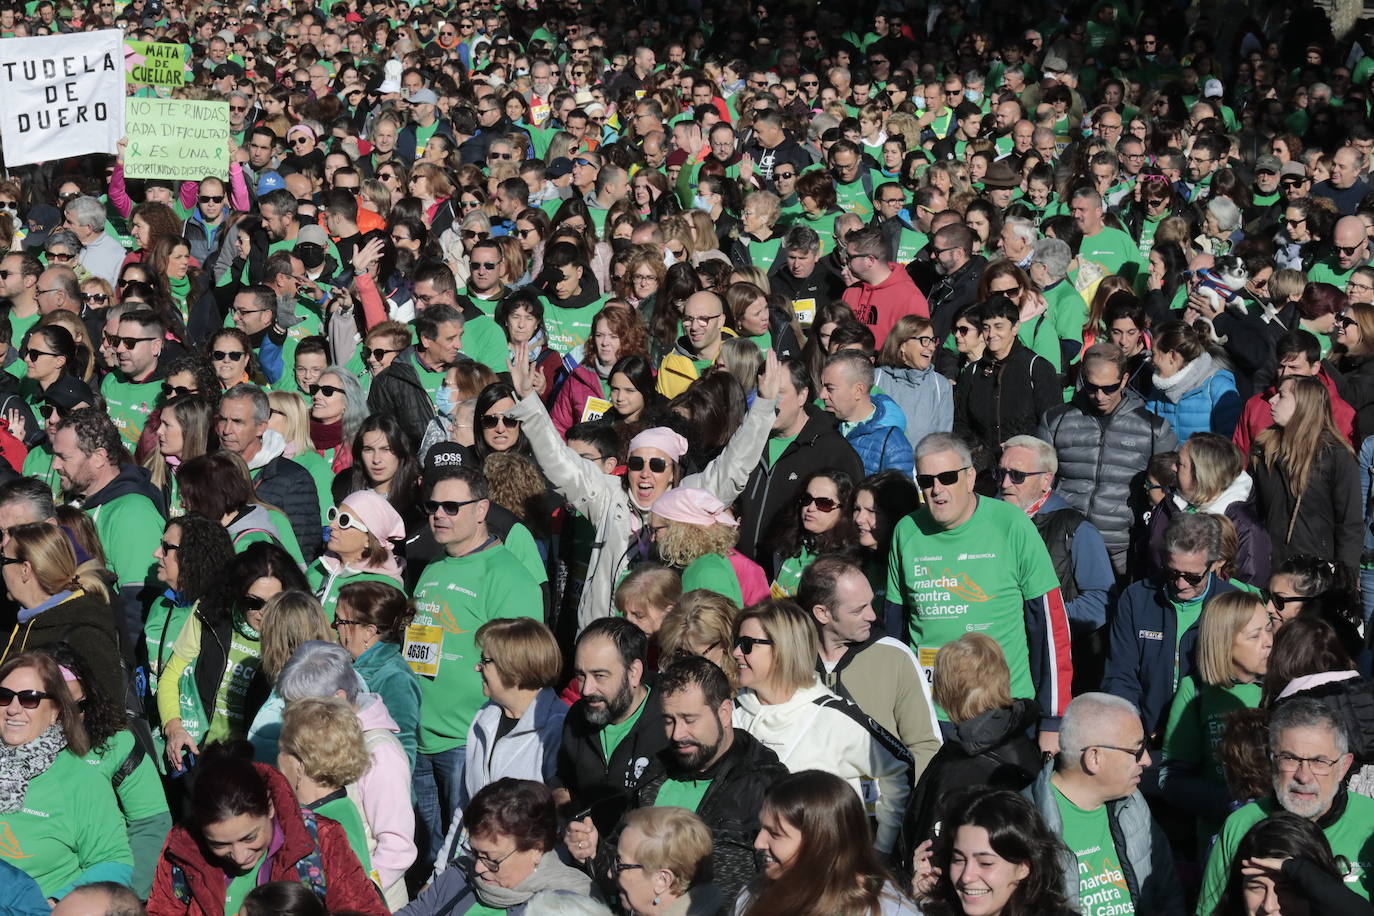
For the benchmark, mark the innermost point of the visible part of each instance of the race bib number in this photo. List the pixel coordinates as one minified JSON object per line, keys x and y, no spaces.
{"x":805,"y":310}
{"x":595,"y":409}
{"x":926,"y":659}
{"x":422,"y":649}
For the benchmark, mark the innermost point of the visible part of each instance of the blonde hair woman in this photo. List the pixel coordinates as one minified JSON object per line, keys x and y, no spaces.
{"x":669,"y":851}
{"x":694,"y":532}
{"x":784,"y":705}
{"x":989,"y":745}
{"x":1235,"y":635}
{"x":701,"y":623}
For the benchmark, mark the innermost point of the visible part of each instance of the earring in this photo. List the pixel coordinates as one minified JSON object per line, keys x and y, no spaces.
{"x":655,"y":901}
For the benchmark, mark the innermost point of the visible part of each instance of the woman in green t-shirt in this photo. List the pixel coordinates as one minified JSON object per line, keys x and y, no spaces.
{"x":1234,"y":639}
{"x":823,"y":520}
{"x":191,"y":559}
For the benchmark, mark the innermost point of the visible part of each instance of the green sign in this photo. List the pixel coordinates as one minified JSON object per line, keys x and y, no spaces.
{"x":176,"y":139}
{"x":155,"y":63}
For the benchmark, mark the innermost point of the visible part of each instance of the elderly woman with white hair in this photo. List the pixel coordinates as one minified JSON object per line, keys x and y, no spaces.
{"x":1220,"y":227}
{"x":1050,"y":261}
{"x":618,"y":506}
{"x":322,"y":669}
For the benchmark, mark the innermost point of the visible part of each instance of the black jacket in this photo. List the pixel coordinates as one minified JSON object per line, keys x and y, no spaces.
{"x":288,"y":486}
{"x":1328,"y":524}
{"x":1354,"y":378}
{"x":772,"y":491}
{"x":997,"y":399}
{"x":600,"y":788}
{"x":823,"y":285}
{"x":397,"y":393}
{"x":991,"y":749}
{"x":86,"y":624}
{"x":766,"y":159}
{"x":952,"y":294}
{"x":730,"y":807}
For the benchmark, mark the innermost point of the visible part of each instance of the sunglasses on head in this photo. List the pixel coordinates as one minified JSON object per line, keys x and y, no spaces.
{"x":234,"y":355}
{"x":492,"y":420}
{"x":945,"y":478}
{"x":327,"y":390}
{"x":29,"y":699}
{"x":657,"y":465}
{"x":746,"y":644}
{"x":823,"y":503}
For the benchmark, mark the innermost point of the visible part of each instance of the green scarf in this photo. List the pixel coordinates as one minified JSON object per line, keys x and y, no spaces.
{"x":180,"y":290}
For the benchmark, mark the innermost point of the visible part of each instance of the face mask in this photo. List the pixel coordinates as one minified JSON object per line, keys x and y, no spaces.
{"x":312,"y":256}
{"x":973,"y":95}
{"x":919,"y":101}
{"x":701,"y":203}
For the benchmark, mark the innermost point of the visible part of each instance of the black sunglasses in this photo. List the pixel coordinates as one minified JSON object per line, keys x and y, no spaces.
{"x":327,"y":390}
{"x":29,"y":699}
{"x":823,"y":503}
{"x":50,"y":410}
{"x":252,"y":603}
{"x":379,"y":354}
{"x":176,"y":391}
{"x":657,"y":465}
{"x":450,"y":507}
{"x":946,"y":478}
{"x":1090,"y":388}
{"x":1017,"y":477}
{"x":1282,"y":601}
{"x":492,"y":420}
{"x":1173,"y":575}
{"x":746,"y":644}
{"x":234,"y":355}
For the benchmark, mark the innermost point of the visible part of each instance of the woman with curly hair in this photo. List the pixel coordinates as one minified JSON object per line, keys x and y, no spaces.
{"x":193,"y":554}
{"x":823,"y":521}
{"x":120,"y":758}
{"x":662,"y":312}
{"x":616,"y":333}
{"x":644,"y":276}
{"x":694,"y":532}
{"x":231,"y":353}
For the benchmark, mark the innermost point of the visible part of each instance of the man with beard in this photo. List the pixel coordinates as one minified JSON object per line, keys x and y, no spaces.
{"x":1309,"y":753}
{"x":610,"y":735}
{"x":710,"y":767}
{"x":876,"y":673}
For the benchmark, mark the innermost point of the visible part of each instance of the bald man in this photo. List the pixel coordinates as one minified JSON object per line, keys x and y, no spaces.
{"x":703,"y":324}
{"x":1350,"y":243}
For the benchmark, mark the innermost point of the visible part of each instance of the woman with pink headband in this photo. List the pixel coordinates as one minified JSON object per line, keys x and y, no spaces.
{"x":618,"y":508}
{"x":696,"y":533}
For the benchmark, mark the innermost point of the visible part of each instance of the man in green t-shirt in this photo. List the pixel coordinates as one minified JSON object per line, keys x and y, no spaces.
{"x":1091,"y":797}
{"x":478,"y":579}
{"x":1111,"y":249}
{"x":1309,"y":750}
{"x":961,"y":563}
{"x":131,"y":391}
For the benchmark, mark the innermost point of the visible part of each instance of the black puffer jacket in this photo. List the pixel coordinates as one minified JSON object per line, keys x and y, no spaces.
{"x":991,"y":749}
{"x":1102,"y":458}
{"x":397,"y":393}
{"x":730,"y":806}
{"x":288,"y":486}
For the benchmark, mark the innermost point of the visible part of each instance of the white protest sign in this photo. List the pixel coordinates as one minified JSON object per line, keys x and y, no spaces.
{"x":61,"y":95}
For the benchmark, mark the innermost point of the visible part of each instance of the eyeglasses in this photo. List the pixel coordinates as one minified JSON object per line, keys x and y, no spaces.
{"x":176,"y":391}
{"x":341,"y":622}
{"x":492,"y":865}
{"x":1016,"y":477}
{"x":345,"y":520}
{"x":231,"y":355}
{"x":29,"y":699}
{"x":1090,"y":389}
{"x":169,"y":548}
{"x":492,"y":157}
{"x":636,"y":464}
{"x":925,"y":340}
{"x":244,"y":313}
{"x":823,"y":503}
{"x":1286,"y":762}
{"x":127,"y":343}
{"x":701,"y":319}
{"x":378,"y":353}
{"x":1173,"y":575}
{"x":1138,"y":752}
{"x":212,"y":198}
{"x":746,"y":644}
{"x":945,"y":478}
{"x":450,"y":507}
{"x":617,"y":866}
{"x":327,"y":390}
{"x":1282,"y":601}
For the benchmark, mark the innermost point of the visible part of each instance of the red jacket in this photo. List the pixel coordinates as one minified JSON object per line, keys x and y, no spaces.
{"x":347,"y":886}
{"x":880,"y":306}
{"x":1257,"y":416}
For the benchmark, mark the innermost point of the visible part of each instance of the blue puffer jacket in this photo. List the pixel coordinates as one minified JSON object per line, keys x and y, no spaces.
{"x":880,"y":441}
{"x":1199,"y":398}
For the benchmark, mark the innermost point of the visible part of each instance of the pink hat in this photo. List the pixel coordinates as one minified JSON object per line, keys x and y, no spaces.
{"x":301,"y":129}
{"x":383,"y":521}
{"x":693,"y":506}
{"x":663,"y":439}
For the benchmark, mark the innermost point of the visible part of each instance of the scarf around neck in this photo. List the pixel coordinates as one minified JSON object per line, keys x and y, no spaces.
{"x":326,"y":435}
{"x":550,"y":875}
{"x":21,"y":765}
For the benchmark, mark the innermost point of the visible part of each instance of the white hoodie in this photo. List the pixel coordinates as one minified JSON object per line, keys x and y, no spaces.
{"x":837,"y":738}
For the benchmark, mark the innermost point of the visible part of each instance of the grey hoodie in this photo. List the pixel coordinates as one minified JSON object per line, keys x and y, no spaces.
{"x":925,"y":396}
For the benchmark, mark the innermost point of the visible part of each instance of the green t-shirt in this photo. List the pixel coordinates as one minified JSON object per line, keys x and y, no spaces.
{"x":910,"y":244}
{"x":1188,"y":614}
{"x":430,"y":380}
{"x":854,"y":198}
{"x":713,"y":571}
{"x":422,"y":135}
{"x":140,"y":793}
{"x":484,"y":342}
{"x":1148,"y":228}
{"x":568,"y":328}
{"x":128,"y":404}
{"x":20,"y":325}
{"x":1197,"y":720}
{"x":69,"y":822}
{"x":160,"y":631}
{"x":240,"y":886}
{"x":130,"y":529}
{"x":341,"y":808}
{"x":326,"y":587}
{"x":1068,"y":310}
{"x":457,"y":595}
{"x":1102,"y":887}
{"x":789,"y":574}
{"x":1114,"y":250}
{"x":776,"y":446}
{"x":677,"y":793}
{"x":38,"y":464}
{"x":613,"y":733}
{"x":975,"y":577}
{"x":1325,"y":271}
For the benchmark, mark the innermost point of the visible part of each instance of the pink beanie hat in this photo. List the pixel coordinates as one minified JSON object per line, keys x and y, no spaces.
{"x":693,"y":506}
{"x":663,"y":439}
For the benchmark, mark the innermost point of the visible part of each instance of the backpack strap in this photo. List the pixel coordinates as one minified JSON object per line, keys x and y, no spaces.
{"x":310,"y":869}
{"x":127,"y":767}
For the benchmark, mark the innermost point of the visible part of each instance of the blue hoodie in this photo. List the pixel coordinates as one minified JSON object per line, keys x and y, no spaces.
{"x":880,"y":441}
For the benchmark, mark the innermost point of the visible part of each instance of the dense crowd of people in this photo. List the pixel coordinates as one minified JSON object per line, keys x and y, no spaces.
{"x":679,"y":460}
